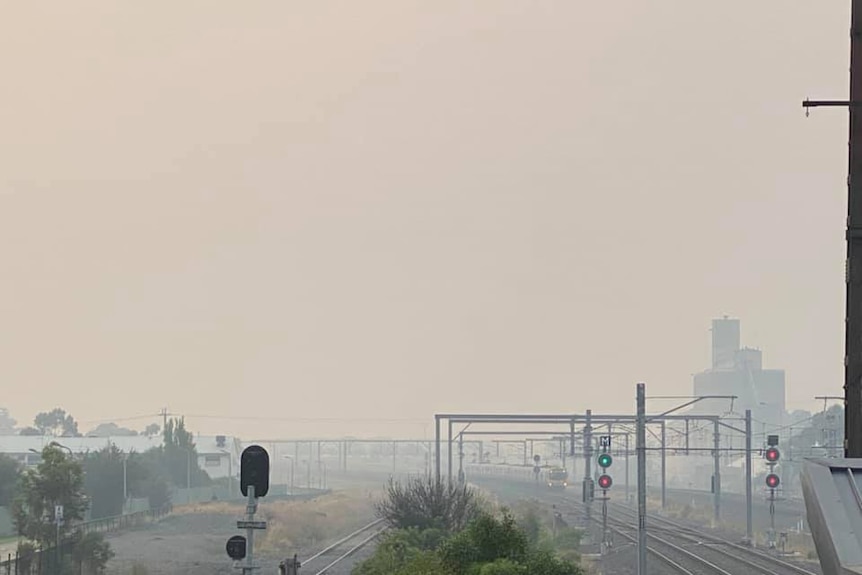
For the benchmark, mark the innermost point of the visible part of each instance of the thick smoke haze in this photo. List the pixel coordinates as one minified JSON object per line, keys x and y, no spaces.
{"x":356,"y":210}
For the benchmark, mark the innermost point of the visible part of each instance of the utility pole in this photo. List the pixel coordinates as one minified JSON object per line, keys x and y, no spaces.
{"x":853,"y":273}
{"x":641,"y":452}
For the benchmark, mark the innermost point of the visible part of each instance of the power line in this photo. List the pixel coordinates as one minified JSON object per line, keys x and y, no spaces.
{"x":164,"y":413}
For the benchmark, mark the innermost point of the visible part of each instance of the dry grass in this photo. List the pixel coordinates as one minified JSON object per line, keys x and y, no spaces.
{"x":308,"y":524}
{"x":298,"y":523}
{"x":210,"y":507}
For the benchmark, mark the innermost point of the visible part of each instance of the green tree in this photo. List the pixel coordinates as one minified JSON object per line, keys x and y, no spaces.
{"x":407,"y":551}
{"x":180,"y":456}
{"x":10,"y":470}
{"x":57,"y":480}
{"x":485,"y":540}
{"x":152,"y":429}
{"x":544,"y":561}
{"x":111,"y":430}
{"x":7,"y":422}
{"x":528,"y":514}
{"x":103,"y":481}
{"x":147,"y":478}
{"x":489,"y":545}
{"x":91,"y":553}
{"x":505,"y":567}
{"x":57,"y":423}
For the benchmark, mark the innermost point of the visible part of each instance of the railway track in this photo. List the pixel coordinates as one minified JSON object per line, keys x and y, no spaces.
{"x":337,"y":553}
{"x":720,"y":555}
{"x":677,"y":548}
{"x":671,"y":553}
{"x":683,"y":548}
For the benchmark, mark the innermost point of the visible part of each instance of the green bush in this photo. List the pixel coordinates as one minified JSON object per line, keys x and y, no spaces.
{"x":487,"y":545}
{"x":404,"y":551}
{"x":426,"y":503}
{"x":91,"y":553}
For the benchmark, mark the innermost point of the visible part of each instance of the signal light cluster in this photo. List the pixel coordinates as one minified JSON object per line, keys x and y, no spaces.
{"x":772,"y":455}
{"x":605,"y":480}
{"x":605,"y":460}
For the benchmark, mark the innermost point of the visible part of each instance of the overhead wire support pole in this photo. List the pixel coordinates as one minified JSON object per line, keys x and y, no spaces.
{"x":627,"y":469}
{"x":853,"y":269}
{"x":588,"y":455}
{"x":853,"y":325}
{"x":663,"y":467}
{"x":449,"y":454}
{"x":749,"y":529}
{"x":716,"y":473}
{"x":641,"y":453}
{"x":437,"y":448}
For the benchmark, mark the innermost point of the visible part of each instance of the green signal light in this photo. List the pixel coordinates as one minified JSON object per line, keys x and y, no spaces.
{"x":605,"y":460}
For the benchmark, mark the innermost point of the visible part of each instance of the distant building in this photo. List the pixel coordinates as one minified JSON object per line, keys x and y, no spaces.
{"x":739,"y":371}
{"x":218,"y":455}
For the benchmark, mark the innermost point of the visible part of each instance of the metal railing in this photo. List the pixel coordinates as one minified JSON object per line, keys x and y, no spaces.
{"x":118,"y":522}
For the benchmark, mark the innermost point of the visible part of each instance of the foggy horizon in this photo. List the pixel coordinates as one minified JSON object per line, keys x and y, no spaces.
{"x":387,"y":210}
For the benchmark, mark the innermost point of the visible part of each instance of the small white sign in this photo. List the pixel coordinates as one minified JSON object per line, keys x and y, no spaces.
{"x":251,"y":524}
{"x":605,"y":441}
{"x":58,"y":513}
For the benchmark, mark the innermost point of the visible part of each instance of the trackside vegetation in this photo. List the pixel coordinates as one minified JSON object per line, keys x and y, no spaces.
{"x":441,"y":529}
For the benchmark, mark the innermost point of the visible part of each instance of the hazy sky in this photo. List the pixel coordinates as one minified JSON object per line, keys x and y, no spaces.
{"x":362,"y":209}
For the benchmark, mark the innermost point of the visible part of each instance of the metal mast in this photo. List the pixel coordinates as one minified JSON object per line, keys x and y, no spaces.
{"x":853,"y":342}
{"x":853,"y":272}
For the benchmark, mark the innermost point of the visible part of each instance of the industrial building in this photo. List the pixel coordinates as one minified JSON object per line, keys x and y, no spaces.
{"x":739,"y":371}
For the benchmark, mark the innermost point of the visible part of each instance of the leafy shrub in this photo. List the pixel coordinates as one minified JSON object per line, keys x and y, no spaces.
{"x":426,"y":503}
{"x":488,"y":545}
{"x":91,"y":553}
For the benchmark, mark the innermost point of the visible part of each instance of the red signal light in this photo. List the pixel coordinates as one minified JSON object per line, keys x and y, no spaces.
{"x":772,"y":481}
{"x":772,"y":455}
{"x":605,"y":481}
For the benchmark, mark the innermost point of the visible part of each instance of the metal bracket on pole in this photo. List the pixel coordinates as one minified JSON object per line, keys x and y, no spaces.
{"x":829,"y":104}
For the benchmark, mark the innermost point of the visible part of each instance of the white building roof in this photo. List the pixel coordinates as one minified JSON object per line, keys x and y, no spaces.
{"x":205,"y":444}
{"x":24,"y":443}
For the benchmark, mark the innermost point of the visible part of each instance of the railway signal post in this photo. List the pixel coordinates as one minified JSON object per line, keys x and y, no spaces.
{"x":772,"y":455}
{"x":605,"y":482}
{"x":253,"y":483}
